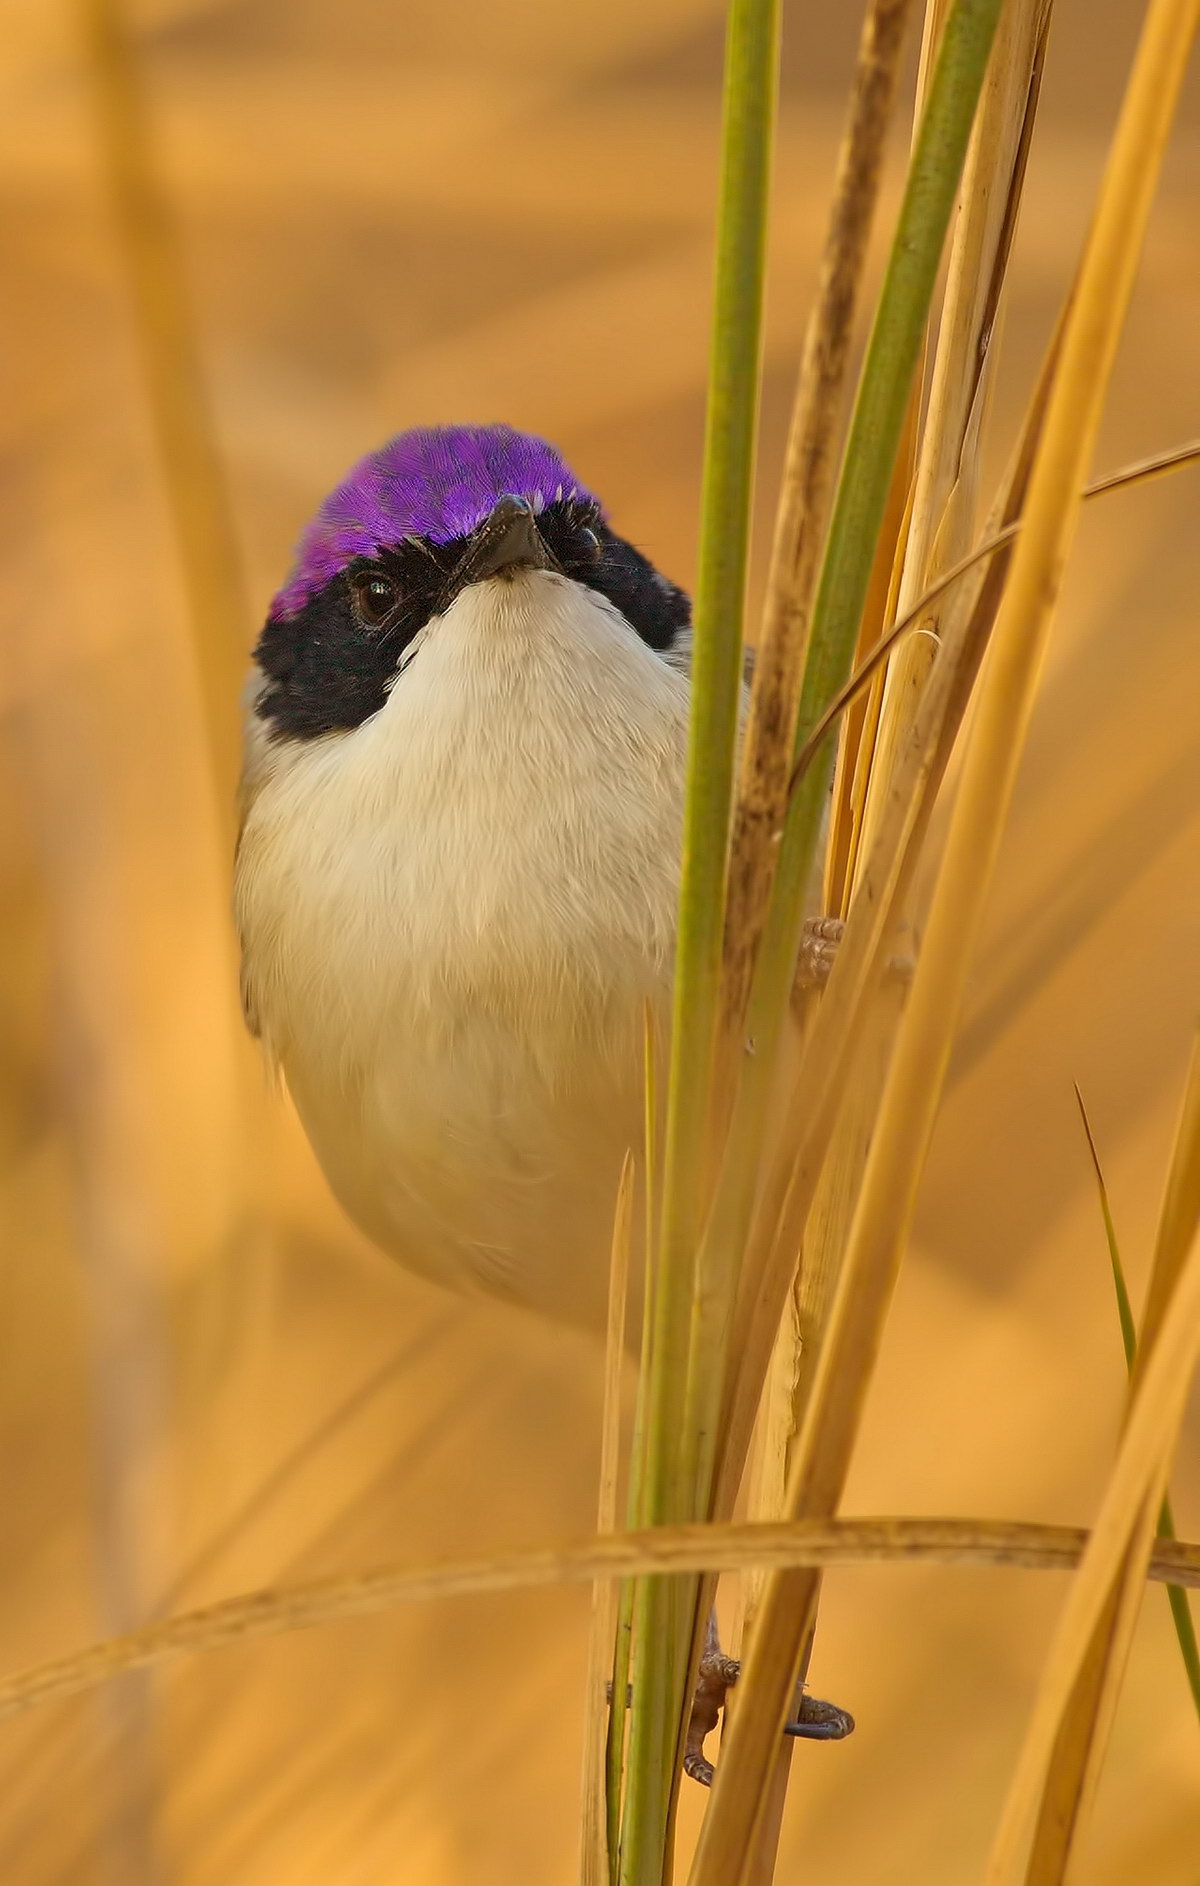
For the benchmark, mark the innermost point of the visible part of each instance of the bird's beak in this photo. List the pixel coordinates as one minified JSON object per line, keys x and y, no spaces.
{"x":508,"y":539}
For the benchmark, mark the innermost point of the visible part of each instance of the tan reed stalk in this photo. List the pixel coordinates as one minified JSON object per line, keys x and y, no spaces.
{"x":1086,"y":1719}
{"x":1158,"y":465}
{"x":914,"y":1083}
{"x":594,"y":1852}
{"x":822,"y":1078}
{"x":1116,"y":1544}
{"x":1177,"y":1598}
{"x":775,"y":694}
{"x":856,"y":740}
{"x":172,"y":366}
{"x":947,"y":477}
{"x":940,"y":520}
{"x":876,"y":430}
{"x":804,"y":500}
{"x":663,"y":1550}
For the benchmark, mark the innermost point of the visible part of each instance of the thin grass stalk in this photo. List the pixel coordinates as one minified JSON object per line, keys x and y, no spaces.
{"x":906,"y":1118}
{"x":594,"y":1852}
{"x":635,"y":1499}
{"x":1158,"y":465}
{"x":1086,"y":1721}
{"x":947,"y":476}
{"x":805,"y":497}
{"x":868,"y":469}
{"x":984,"y":228}
{"x":1180,"y":1210}
{"x":662,"y":1613}
{"x":172,"y":367}
{"x":770,"y":731}
{"x":844,"y":1015}
{"x":233,"y":1315}
{"x":659,"y":1552}
{"x":939,"y":523}
{"x":768,"y":1484}
{"x":875,"y":431}
{"x":1177,"y":1598}
{"x":780,"y":657}
{"x":856,"y":737}
{"x":1137,"y":1479}
{"x":774,"y":700}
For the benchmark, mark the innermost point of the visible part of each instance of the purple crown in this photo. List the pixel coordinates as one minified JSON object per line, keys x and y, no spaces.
{"x":437,"y":482}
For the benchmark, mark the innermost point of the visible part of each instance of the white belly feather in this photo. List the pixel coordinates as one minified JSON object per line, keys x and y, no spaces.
{"x":452,"y":919}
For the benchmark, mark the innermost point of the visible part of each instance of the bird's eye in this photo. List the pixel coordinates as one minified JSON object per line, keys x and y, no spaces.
{"x":376,"y":596}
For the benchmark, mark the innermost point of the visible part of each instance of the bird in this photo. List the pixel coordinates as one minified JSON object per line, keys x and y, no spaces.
{"x":458,"y":862}
{"x":457,"y":867}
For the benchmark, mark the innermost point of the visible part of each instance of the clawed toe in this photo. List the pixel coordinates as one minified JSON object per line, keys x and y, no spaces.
{"x":816,"y":1721}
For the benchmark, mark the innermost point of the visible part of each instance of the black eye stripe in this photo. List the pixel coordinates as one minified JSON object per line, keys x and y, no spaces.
{"x":330,"y":666}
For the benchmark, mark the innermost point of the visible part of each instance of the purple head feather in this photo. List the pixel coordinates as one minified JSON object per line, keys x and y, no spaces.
{"x":437,"y":482}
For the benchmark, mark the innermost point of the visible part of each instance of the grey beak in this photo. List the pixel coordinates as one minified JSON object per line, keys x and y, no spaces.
{"x":508,"y":539}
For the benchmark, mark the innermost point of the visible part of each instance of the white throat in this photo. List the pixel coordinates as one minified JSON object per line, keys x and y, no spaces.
{"x":452,"y":918}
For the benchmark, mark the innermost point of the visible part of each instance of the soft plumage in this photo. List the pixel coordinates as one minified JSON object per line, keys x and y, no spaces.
{"x":454,"y":912}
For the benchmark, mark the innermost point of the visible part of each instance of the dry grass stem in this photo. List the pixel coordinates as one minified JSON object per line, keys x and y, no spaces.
{"x":945,"y":488}
{"x":1177,"y":1598}
{"x":661,"y":1551}
{"x":1138,"y":1478}
{"x":594,"y":1854}
{"x":939,"y":523}
{"x":915,"y":1078}
{"x":1087,"y":1717}
{"x":172,"y":366}
{"x":1159,"y":465}
{"x":844,"y":1015}
{"x":805,"y":499}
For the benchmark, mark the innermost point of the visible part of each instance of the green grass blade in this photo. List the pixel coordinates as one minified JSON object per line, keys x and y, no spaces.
{"x":1177,"y":1598}
{"x":1181,"y":1614}
{"x":752,"y":60}
{"x":662,"y":1609}
{"x":873,"y":442}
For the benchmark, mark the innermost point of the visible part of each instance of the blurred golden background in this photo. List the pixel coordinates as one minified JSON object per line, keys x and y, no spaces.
{"x":453,"y":211}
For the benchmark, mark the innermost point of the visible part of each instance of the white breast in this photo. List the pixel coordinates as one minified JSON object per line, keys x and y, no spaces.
{"x":452,"y":919}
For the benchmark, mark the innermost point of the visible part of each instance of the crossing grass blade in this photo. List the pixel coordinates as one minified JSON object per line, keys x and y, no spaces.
{"x":1181,"y":1614}
{"x":658,"y":1552}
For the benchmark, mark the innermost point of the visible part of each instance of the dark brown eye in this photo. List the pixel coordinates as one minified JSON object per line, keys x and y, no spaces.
{"x":375,"y":597}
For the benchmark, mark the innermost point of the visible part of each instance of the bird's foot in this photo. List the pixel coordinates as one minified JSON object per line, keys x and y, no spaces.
{"x":819,"y":944}
{"x":814,"y":1720}
{"x":718,"y":1674}
{"x":818,"y":949}
{"x":818,"y":1721}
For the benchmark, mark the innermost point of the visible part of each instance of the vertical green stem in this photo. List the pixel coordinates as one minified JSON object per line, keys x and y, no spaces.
{"x":662,"y":1625}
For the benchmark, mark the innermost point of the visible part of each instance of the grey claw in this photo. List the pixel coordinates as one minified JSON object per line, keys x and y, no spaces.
{"x":816,"y":1721}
